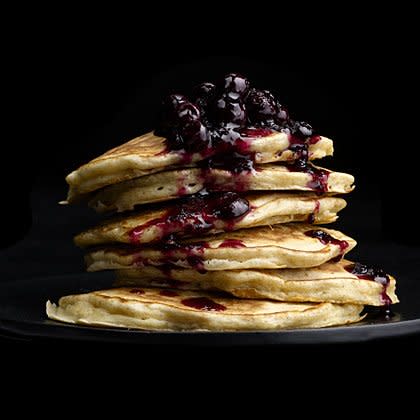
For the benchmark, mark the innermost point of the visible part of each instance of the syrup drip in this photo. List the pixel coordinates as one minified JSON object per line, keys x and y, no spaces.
{"x":326,"y":239}
{"x":319,"y":177}
{"x":195,"y":215}
{"x":203,"y":303}
{"x":232,"y":243}
{"x":192,"y":255}
{"x":168,"y":293}
{"x":311,"y":217}
{"x":373,"y":274}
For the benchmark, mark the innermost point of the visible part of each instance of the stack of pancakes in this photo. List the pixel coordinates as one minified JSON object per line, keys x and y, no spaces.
{"x":192,"y":248}
{"x":219,"y":223}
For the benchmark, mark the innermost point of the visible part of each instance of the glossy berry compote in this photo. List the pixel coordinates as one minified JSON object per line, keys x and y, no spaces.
{"x":209,"y":123}
{"x":203,"y":303}
{"x":192,"y":254}
{"x":221,"y":120}
{"x":265,"y":111}
{"x":373,"y":274}
{"x":326,"y":239}
{"x":318,"y":177}
{"x":301,"y":135}
{"x":312,"y":217}
{"x":196,"y":214}
{"x":232,"y":243}
{"x":168,"y":293}
{"x":180,"y":123}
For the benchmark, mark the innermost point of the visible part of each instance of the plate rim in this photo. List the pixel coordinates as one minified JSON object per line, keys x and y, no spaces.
{"x":49,"y":329}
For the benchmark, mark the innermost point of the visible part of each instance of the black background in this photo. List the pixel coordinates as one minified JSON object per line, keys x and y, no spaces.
{"x":68,"y":104}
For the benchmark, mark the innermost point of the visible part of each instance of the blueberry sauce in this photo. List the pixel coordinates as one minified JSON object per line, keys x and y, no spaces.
{"x":319,"y":177}
{"x":255,"y":132}
{"x":172,"y":251}
{"x":238,"y":177}
{"x":191,"y":253}
{"x":232,"y":243}
{"x":314,"y":139}
{"x":325,"y":238}
{"x":196,"y":262}
{"x":300,"y":136}
{"x":235,"y":163}
{"x":168,"y":293}
{"x":319,"y":181}
{"x":196,"y":214}
{"x":166,"y":271}
{"x":182,"y":190}
{"x":137,"y":291}
{"x":373,"y":274}
{"x":203,"y":303}
{"x":311,"y":217}
{"x":223,"y":119}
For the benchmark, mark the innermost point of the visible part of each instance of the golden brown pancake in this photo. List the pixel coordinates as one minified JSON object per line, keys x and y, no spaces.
{"x":160,"y":309}
{"x":264,"y":209}
{"x":179,"y":182}
{"x":329,"y":282}
{"x":148,"y":153}
{"x":280,"y":246}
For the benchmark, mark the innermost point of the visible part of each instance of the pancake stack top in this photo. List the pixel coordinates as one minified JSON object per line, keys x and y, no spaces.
{"x":221,"y":197}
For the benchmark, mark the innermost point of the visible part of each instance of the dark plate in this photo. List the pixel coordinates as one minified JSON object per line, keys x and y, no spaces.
{"x":22,"y":314}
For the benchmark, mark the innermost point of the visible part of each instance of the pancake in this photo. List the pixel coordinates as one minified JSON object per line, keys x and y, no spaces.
{"x":148,"y":153}
{"x":160,"y":309}
{"x":330,"y":282}
{"x":201,"y":214}
{"x":280,"y":246}
{"x":180,"y":182}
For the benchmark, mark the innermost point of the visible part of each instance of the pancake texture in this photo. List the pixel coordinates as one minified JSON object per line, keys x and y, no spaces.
{"x":265,"y":209}
{"x":279,"y":246}
{"x":156,"y":309}
{"x":149,"y":153}
{"x":175,"y":183}
{"x":330,"y":282}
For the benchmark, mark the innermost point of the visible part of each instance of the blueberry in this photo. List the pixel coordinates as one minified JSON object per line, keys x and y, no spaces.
{"x":170,"y":108}
{"x":176,"y":141}
{"x":204,"y":91}
{"x":203,"y":95}
{"x":169,"y":119}
{"x":282,"y":113}
{"x":261,"y":106}
{"x":303,"y":129}
{"x":172,"y":102}
{"x":230,"y":206}
{"x":181,"y":125}
{"x":226,"y":111}
{"x":235,"y":86}
{"x":195,"y":135}
{"x":187,"y":112}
